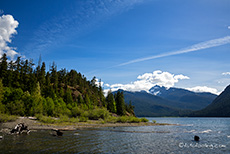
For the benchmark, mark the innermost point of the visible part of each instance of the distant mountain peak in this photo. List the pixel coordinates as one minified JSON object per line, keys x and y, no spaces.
{"x":163,"y":101}
{"x":157,"y":90}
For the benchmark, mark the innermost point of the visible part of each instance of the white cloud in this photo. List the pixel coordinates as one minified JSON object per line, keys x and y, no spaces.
{"x":196,"y":47}
{"x":98,"y":83}
{"x":148,"y":80}
{"x":228,"y":27}
{"x":8,"y":27}
{"x":204,"y":89}
{"x":107,"y":85}
{"x":226,"y":73}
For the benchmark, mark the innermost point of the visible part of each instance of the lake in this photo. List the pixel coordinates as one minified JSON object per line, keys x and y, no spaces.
{"x":214,"y":136}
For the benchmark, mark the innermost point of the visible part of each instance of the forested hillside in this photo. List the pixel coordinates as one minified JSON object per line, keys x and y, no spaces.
{"x":220,"y":107}
{"x":27,"y":90}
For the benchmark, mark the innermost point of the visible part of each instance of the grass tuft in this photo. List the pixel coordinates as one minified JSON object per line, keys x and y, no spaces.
{"x":7,"y":118}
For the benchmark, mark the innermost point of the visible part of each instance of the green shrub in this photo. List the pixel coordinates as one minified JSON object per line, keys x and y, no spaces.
{"x":7,"y":118}
{"x":111,"y":119}
{"x":134,"y":120}
{"x":144,"y":120}
{"x":101,"y":121}
{"x":63,"y":118}
{"x":38,"y":116}
{"x":131,"y":119}
{"x":122,"y":119}
{"x":83,"y":119}
{"x":85,"y":114}
{"x":77,"y":111}
{"x":45,"y":119}
{"x":98,"y":113}
{"x":73,"y":120}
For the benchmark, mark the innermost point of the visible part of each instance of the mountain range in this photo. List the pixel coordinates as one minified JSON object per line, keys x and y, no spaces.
{"x":220,"y":107}
{"x":186,"y":99}
{"x":162,"y":101}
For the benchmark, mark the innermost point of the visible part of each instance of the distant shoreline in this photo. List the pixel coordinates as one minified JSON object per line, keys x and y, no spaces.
{"x":36,"y":125}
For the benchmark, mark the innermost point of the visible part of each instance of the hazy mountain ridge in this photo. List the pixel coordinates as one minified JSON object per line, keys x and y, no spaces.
{"x":149,"y":105}
{"x":188,"y":99}
{"x":160,"y":101}
{"x":220,"y":107}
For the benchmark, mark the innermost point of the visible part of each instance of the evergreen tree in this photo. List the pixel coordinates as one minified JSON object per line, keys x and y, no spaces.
{"x":62,"y":77}
{"x":14,"y":103}
{"x":38,"y":68}
{"x":101,"y":94}
{"x":93,"y":81}
{"x":25,"y":76}
{"x":61,"y":93}
{"x":72,"y":78}
{"x":129,"y":108}
{"x":120,"y":103}
{"x":41,"y":77}
{"x":29,"y":91}
{"x":50,"y":106}
{"x":68,"y":98}
{"x":32,"y":77}
{"x":28,"y":102}
{"x":2,"y":107}
{"x":58,"y":109}
{"x":1,"y":91}
{"x":16,"y":107}
{"x":54,"y":77}
{"x":48,"y":87}
{"x":37,"y":106}
{"x":111,"y":104}
{"x":10,"y":74}
{"x":3,"y":69}
{"x":87,"y":101}
{"x":16,"y":75}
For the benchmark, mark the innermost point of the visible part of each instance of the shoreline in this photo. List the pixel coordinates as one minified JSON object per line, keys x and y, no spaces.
{"x":36,"y":125}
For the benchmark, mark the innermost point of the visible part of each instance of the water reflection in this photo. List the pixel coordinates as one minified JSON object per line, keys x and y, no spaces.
{"x":147,"y":139}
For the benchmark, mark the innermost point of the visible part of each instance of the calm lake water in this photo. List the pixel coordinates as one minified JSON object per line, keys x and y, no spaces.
{"x":214,"y":136}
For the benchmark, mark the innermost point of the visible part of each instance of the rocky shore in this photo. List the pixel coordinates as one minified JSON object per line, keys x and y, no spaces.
{"x":34,"y":124}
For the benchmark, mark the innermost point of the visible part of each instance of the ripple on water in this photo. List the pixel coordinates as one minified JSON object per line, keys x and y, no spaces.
{"x":148,"y":139}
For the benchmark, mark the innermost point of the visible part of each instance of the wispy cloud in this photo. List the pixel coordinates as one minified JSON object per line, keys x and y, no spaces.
{"x":226,"y":73}
{"x":196,"y":47}
{"x":81,"y":18}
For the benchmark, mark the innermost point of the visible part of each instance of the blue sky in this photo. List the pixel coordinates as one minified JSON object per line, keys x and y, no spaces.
{"x":130,"y":44}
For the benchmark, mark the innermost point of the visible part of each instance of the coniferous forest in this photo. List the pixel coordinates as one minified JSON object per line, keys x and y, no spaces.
{"x":27,"y":89}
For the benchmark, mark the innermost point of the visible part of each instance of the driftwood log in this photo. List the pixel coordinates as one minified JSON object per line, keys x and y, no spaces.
{"x":19,"y":128}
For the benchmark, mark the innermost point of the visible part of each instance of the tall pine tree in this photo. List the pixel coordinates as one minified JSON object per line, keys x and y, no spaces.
{"x":120,"y":103}
{"x":3,"y":69}
{"x":2,"y":107}
{"x":111,"y":106}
